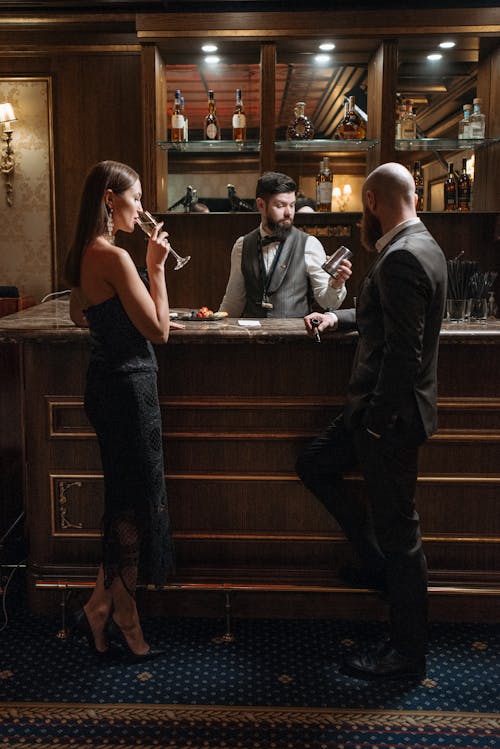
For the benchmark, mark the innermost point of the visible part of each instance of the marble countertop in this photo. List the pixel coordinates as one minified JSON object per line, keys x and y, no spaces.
{"x":51,"y":320}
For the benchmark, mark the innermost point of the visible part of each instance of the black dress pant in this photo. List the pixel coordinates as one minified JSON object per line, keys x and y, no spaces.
{"x":384,"y":529}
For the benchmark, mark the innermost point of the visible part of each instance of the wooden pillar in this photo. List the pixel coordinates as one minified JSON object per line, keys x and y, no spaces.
{"x":382,"y":88}
{"x":154,"y":129}
{"x":267,"y":106}
{"x":487,"y":163}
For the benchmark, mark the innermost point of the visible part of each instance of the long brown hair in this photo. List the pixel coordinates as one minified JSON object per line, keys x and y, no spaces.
{"x":92,"y":217}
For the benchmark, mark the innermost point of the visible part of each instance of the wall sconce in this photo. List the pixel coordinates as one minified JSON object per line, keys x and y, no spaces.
{"x":7,"y":159}
{"x":342,"y":197}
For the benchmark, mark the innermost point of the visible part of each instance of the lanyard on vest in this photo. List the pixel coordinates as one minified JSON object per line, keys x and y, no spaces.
{"x":267,"y":277}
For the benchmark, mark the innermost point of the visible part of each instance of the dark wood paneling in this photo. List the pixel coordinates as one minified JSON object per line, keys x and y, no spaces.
{"x":235,"y":418}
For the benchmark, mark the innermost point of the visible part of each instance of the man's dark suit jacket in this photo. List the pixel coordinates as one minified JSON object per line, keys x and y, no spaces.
{"x":399,"y":312}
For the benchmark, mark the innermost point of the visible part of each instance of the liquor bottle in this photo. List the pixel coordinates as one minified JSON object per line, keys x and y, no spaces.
{"x":177,"y":121}
{"x":464,"y":129}
{"x":464,"y":188}
{"x":408,"y":122}
{"x":301,"y":127}
{"x":186,"y":124}
{"x":450,"y":190}
{"x":419,"y":185}
{"x":318,"y":181}
{"x":239,"y":119}
{"x":477,"y":120}
{"x":211,"y":128}
{"x":400,"y":109}
{"x":324,"y":184}
{"x":352,"y":126}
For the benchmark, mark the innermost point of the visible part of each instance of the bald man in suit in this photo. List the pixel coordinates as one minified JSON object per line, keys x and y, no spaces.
{"x":389,"y":412}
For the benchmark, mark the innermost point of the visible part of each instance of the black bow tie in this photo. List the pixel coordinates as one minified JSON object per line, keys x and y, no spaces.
{"x":269,"y":240}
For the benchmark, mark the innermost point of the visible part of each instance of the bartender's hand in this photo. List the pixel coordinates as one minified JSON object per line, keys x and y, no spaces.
{"x":326,"y":321}
{"x":342,"y":273}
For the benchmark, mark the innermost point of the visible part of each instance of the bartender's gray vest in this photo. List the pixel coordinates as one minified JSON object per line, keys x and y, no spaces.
{"x":290,"y":291}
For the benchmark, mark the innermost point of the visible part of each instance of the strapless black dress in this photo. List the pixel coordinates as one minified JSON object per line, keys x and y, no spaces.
{"x":121,"y":402}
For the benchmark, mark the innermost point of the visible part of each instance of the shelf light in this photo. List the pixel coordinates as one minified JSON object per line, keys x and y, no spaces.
{"x":212,"y":59}
{"x":322,"y":59}
{"x":209,"y":48}
{"x":327,"y":46}
{"x":447,"y":45}
{"x":434,"y":56}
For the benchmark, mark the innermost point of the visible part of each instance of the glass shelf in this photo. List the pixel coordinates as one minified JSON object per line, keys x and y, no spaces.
{"x":212,"y":146}
{"x":253,"y":146}
{"x":443,"y":144}
{"x":325,"y":145}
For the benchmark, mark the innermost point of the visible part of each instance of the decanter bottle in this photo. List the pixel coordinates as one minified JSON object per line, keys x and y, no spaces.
{"x":301,"y":127}
{"x":352,"y":126}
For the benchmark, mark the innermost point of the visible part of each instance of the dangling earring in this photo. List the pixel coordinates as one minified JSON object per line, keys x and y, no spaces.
{"x":110,"y":225}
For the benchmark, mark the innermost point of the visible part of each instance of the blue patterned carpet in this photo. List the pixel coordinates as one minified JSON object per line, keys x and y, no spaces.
{"x":278,"y":685}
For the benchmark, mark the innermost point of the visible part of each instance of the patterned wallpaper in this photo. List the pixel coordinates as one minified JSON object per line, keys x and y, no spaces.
{"x":26,"y":236}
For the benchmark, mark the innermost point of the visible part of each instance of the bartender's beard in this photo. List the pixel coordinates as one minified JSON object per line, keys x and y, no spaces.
{"x":371,"y":230}
{"x":280,"y":229}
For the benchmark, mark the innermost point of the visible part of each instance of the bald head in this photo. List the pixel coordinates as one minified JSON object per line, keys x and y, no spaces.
{"x":390,"y":189}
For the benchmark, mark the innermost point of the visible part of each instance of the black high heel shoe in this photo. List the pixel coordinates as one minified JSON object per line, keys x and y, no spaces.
{"x":80,"y":625}
{"x":115,"y":634}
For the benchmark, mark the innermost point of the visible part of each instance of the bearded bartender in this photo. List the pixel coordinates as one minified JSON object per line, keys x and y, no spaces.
{"x":276,"y":268}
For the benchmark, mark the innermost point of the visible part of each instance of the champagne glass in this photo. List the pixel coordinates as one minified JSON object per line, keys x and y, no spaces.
{"x":148,"y":224}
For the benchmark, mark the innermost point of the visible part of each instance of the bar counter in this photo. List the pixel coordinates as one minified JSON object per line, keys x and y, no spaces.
{"x":235,"y":417}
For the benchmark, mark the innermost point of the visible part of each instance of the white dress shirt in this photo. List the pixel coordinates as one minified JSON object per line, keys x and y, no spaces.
{"x":234,"y":300}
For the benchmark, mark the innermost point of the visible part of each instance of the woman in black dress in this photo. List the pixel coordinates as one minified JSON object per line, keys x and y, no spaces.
{"x":126,"y":313}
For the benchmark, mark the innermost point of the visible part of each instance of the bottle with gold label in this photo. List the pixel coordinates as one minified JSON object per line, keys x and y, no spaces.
{"x":352,"y":126}
{"x":464,"y":188}
{"x":211,"y":128}
{"x":177,"y":123}
{"x":301,"y":127}
{"x":450,"y":190}
{"x":418,"y":178}
{"x":239,"y":119}
{"x":324,"y":184}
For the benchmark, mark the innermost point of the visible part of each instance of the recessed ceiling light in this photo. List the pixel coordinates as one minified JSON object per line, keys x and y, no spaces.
{"x":327,"y":46}
{"x":321,"y":59}
{"x":447,"y":45}
{"x":434,"y":56}
{"x":212,"y":59}
{"x":209,"y":48}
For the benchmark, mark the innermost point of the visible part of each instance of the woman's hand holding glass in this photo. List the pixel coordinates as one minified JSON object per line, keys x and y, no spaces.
{"x":158,"y":246}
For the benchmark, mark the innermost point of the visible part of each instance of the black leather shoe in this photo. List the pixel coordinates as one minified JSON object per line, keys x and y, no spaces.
{"x":385,"y":663}
{"x":359,"y":577}
{"x":80,"y":626}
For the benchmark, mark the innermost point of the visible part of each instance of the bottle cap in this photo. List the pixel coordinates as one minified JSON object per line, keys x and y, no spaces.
{"x":467,"y":106}
{"x":477,"y":100}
